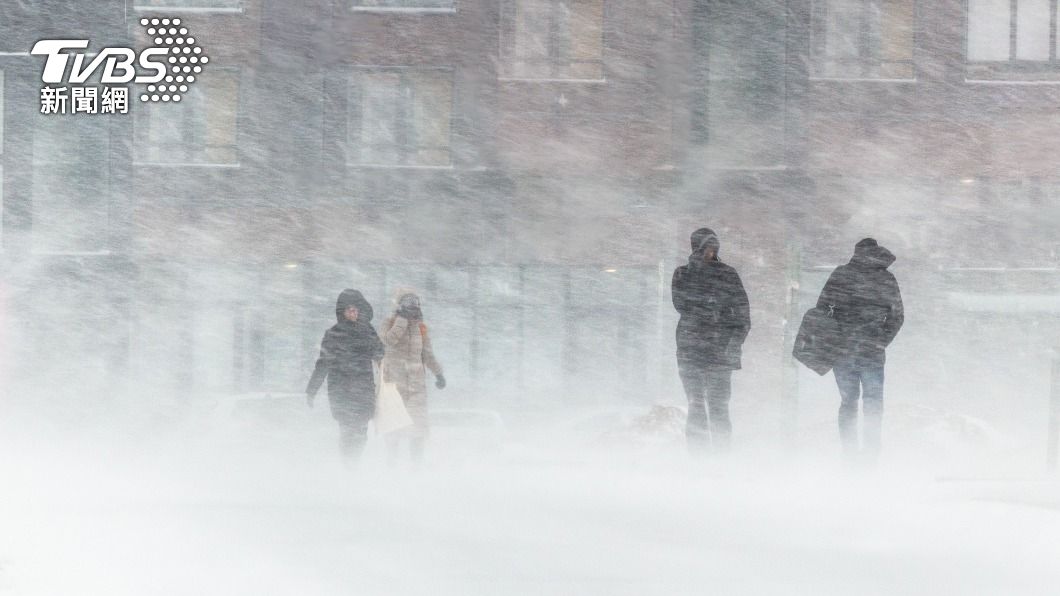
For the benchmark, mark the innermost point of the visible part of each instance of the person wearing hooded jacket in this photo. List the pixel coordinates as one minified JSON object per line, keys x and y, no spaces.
{"x":409,"y":355}
{"x":864,"y":298}
{"x":346,"y":355}
{"x":714,"y":322}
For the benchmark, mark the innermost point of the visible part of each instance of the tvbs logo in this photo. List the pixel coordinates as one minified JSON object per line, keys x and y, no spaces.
{"x":167,"y":68}
{"x":118,"y":63}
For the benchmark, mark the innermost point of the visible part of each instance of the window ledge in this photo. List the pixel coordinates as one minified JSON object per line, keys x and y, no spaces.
{"x":1010,"y":82}
{"x":403,"y":10}
{"x":71,"y":253}
{"x":574,"y":81}
{"x":748,"y":168}
{"x":153,"y":164}
{"x":372,"y":166}
{"x":1001,"y":269}
{"x":861,"y":80}
{"x":191,"y":9}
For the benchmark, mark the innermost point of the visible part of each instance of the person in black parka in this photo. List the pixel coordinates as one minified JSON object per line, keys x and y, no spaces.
{"x":346,"y":355}
{"x":867,"y":304}
{"x":715,"y":320}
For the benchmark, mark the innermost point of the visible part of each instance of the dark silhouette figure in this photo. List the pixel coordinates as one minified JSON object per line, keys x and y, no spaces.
{"x":865,"y":301}
{"x":346,"y":355}
{"x":715,"y":320}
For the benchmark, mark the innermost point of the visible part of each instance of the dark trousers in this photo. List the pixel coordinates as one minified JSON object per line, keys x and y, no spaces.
{"x":864,"y":382}
{"x":707,"y":387}
{"x":352,"y":437}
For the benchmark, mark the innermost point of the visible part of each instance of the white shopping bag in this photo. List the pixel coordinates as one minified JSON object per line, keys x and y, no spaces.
{"x":390,"y":412}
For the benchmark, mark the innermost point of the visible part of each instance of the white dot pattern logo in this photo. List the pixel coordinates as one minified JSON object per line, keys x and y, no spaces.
{"x":183,"y":51}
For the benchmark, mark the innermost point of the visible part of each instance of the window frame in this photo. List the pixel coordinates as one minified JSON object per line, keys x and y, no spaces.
{"x":1014,"y":70}
{"x":237,"y":74}
{"x":404,"y":71}
{"x":712,"y":85}
{"x":864,"y":47}
{"x":506,"y":43}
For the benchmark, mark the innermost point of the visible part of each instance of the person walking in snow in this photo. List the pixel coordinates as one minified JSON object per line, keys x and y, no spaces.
{"x":408,"y":356}
{"x":867,"y":305}
{"x":346,"y":355}
{"x":715,"y":320}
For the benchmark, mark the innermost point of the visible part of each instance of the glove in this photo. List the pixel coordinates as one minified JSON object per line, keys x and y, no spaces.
{"x":309,"y":397}
{"x":439,"y":381}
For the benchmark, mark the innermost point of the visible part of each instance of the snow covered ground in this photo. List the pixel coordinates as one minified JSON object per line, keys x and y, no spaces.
{"x":245,"y":507}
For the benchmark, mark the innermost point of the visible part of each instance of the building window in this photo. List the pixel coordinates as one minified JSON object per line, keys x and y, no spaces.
{"x":552,"y":39}
{"x":399,"y":117}
{"x":71,"y":188}
{"x":1013,"y":37}
{"x":863,"y":39}
{"x":1016,"y":211}
{"x":741,"y":107}
{"x":200,"y":130}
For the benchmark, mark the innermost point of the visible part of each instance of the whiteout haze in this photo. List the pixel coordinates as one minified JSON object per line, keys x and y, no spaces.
{"x":508,"y":189}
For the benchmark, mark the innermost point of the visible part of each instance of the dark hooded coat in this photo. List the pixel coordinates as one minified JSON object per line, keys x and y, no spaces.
{"x":864,"y":298}
{"x":715,"y":313}
{"x":346,"y":355}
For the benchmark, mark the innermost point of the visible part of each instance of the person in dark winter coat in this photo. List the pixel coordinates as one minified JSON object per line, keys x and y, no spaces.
{"x":346,"y":355}
{"x":715,"y":320}
{"x":865,"y":301}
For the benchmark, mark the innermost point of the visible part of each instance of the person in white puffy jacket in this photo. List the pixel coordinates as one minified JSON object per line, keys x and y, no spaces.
{"x":408,"y":357}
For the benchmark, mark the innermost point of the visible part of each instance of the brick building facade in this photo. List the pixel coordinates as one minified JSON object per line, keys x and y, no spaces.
{"x":534,"y":166}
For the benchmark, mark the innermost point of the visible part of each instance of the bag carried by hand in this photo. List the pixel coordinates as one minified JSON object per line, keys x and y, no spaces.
{"x":390,"y":412}
{"x":819,"y":344}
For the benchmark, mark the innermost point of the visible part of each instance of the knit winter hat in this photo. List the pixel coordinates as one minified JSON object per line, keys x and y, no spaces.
{"x":865,"y":243}
{"x":705,"y":239}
